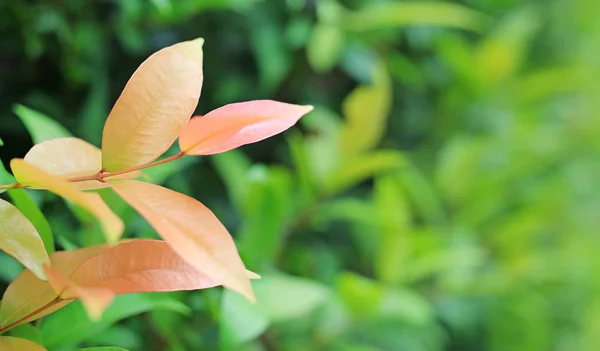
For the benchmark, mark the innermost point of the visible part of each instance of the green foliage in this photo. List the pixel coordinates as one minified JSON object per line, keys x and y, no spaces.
{"x":442,"y":196}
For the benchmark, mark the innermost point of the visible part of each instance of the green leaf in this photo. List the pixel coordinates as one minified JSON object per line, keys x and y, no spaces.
{"x":366,"y":110}
{"x":285,"y":297}
{"x":362,"y":168}
{"x":19,"y":238}
{"x":240,"y":321}
{"x":40,"y":126}
{"x":233,"y":167}
{"x":30,"y":209}
{"x":71,"y":325}
{"x":106,"y":348}
{"x":401,"y":14}
{"x":325,"y":47}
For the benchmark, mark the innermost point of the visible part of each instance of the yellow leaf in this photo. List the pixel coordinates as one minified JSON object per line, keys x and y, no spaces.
{"x":11,"y":343}
{"x":366,"y":110}
{"x":30,"y":175}
{"x":19,"y":239}
{"x":69,"y":158}
{"x":156,"y":103}
{"x":27,"y":293}
{"x":191,"y":229}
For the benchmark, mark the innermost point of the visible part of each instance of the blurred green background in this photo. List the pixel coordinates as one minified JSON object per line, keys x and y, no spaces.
{"x":442,"y":195}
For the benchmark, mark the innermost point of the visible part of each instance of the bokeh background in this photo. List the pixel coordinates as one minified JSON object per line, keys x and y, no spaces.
{"x":443,"y":195}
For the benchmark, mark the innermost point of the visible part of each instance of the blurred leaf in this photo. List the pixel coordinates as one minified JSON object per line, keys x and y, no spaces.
{"x":366,"y":110}
{"x":233,"y":167}
{"x":71,"y":324}
{"x":10,"y":343}
{"x":394,"y":14}
{"x":107,"y":348}
{"x":362,"y":168}
{"x":240,"y":321}
{"x":324,"y":47}
{"x":40,"y":126}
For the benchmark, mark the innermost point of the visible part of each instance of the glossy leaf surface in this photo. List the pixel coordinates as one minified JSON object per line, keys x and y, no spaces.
{"x":191,"y":229}
{"x":19,"y":239}
{"x":238,"y":124}
{"x":30,"y":175}
{"x":156,"y":103}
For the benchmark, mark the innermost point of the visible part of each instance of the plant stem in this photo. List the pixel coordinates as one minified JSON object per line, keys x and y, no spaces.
{"x":101,"y":175}
{"x":31,"y":314}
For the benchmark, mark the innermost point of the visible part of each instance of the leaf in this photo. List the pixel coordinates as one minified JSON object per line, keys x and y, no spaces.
{"x":30,"y":209}
{"x":156,"y":103}
{"x":30,"y":175}
{"x":366,"y":110}
{"x":240,"y":321}
{"x":394,"y":14}
{"x":40,"y":126}
{"x":94,"y":300}
{"x":107,"y":348}
{"x":11,"y":343}
{"x":325,"y":47}
{"x":19,"y":239}
{"x":362,"y":168}
{"x":191,"y":229}
{"x":70,"y":158}
{"x":140,"y":266}
{"x":27,"y":293}
{"x":238,"y":124}
{"x":58,"y":328}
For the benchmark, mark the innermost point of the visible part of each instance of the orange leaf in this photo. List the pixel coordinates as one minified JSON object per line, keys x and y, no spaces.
{"x":30,"y":175}
{"x":191,"y":229}
{"x":94,"y":300}
{"x":156,"y":103}
{"x":11,"y":343}
{"x":238,"y":124}
{"x":140,"y":266}
{"x":69,"y":158}
{"x":27,"y":294}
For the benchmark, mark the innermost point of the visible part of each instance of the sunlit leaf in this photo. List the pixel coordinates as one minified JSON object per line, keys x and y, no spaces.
{"x":68,"y":158}
{"x":400,"y":14}
{"x":140,"y":266}
{"x":191,"y":229}
{"x":19,"y":239}
{"x":40,"y":126}
{"x":27,"y":293}
{"x":11,"y":343}
{"x":366,"y":110}
{"x":238,"y":124}
{"x":156,"y":103}
{"x":30,"y":175}
{"x":94,"y":300}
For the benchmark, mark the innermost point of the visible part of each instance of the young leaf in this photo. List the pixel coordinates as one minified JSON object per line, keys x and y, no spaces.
{"x":238,"y":124}
{"x":69,"y":158}
{"x":40,"y":126}
{"x":140,"y":266}
{"x":27,"y":294}
{"x":11,"y":343}
{"x":191,"y":229}
{"x":156,"y":103}
{"x":94,"y":300}
{"x":19,"y":239}
{"x":30,"y":175}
